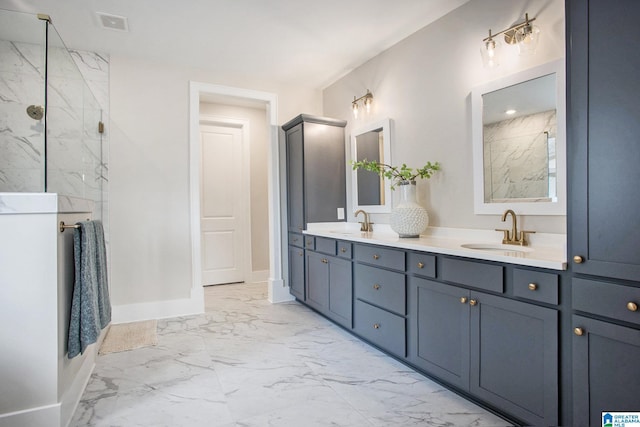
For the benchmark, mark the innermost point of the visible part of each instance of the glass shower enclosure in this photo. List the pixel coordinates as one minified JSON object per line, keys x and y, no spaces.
{"x":51,"y":125}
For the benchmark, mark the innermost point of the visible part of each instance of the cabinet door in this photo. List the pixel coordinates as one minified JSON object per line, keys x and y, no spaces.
{"x":606,"y":372}
{"x":603,"y":146}
{"x":324,"y":172}
{"x":317,"y":267}
{"x":439,"y":338}
{"x":296,"y":272}
{"x":514,"y":357}
{"x":295,"y":178}
{"x":340,"y":291}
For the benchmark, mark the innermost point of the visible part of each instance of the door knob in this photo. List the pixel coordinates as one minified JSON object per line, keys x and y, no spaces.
{"x":578,"y":259}
{"x":578,"y":331}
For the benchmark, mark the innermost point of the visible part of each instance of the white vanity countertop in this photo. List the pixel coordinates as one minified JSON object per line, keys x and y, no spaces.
{"x":545,"y":250}
{"x":36,"y":203}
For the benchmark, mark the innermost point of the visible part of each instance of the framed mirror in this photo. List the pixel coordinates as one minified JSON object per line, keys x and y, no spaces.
{"x":518,"y":132}
{"x":371,"y":142}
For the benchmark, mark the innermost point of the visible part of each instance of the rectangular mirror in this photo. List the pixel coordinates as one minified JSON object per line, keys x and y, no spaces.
{"x":371,"y":142}
{"x":519,"y":143}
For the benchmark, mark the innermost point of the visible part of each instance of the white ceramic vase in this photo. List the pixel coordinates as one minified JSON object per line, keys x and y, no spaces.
{"x":408,"y":218}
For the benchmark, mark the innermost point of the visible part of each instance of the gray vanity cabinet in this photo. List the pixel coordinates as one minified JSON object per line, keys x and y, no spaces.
{"x":328,"y":281}
{"x":439,"y":337}
{"x":606,"y":377}
{"x":603,"y":149}
{"x":502,"y":351}
{"x":316,"y":170}
{"x":514,"y":357}
{"x":380,"y":297}
{"x":296,"y":265}
{"x":603,"y":154}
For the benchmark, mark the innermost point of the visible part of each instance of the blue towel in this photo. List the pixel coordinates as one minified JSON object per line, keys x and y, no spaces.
{"x":90,"y":305}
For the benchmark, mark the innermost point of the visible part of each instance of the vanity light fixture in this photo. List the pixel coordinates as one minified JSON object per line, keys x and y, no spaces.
{"x":524,"y":35}
{"x":367,"y":100}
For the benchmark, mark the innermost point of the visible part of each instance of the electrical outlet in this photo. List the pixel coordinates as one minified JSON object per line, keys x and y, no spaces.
{"x":340,"y":213}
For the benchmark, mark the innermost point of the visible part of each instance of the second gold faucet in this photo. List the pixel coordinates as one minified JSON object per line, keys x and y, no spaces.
{"x":513,"y":237}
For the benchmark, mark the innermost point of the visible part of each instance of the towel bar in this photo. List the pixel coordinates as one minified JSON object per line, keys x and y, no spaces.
{"x":63,"y":226}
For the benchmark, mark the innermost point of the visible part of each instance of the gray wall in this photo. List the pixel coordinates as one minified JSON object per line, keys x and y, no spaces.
{"x":424,"y":82}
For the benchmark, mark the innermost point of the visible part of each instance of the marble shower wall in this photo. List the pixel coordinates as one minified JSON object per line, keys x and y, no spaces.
{"x":78,"y":98}
{"x":517,"y":157}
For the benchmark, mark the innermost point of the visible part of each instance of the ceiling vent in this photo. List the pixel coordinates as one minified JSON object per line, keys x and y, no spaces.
{"x":113,"y":22}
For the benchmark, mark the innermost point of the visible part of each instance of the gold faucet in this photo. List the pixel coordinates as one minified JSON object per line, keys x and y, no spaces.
{"x":366,"y":225}
{"x":513,"y":237}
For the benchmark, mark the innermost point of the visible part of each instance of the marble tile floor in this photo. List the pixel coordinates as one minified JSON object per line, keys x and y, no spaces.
{"x":246,"y":362}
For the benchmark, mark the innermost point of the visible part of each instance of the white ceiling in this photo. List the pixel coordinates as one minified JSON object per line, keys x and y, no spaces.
{"x":302,"y":42}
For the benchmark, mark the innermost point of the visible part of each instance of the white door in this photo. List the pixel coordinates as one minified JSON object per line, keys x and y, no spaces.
{"x":222,"y":214}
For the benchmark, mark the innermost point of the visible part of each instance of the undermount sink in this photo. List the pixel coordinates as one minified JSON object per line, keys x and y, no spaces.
{"x":496,"y":247}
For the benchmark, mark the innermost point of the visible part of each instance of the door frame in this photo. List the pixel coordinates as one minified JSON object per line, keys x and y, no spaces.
{"x":245,"y":188}
{"x":277,"y":290}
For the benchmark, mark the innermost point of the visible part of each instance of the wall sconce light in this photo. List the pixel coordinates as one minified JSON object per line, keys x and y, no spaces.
{"x":367,"y":99}
{"x":523,"y":34}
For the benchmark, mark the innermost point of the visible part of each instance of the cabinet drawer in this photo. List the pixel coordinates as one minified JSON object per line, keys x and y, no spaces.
{"x":384,"y":329}
{"x":310,"y":242}
{"x":535,"y":285}
{"x":326,"y":246}
{"x":344,"y":249}
{"x":383,"y":288}
{"x":474,"y":274}
{"x":296,"y":239}
{"x":607,"y":299}
{"x":378,"y":256}
{"x":421,"y":264}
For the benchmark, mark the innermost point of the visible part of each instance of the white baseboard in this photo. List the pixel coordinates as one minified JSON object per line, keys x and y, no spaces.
{"x":42,"y":416}
{"x":160,"y":309}
{"x":278,"y":292}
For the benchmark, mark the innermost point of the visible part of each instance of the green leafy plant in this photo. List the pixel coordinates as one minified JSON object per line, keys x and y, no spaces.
{"x":397,"y":174}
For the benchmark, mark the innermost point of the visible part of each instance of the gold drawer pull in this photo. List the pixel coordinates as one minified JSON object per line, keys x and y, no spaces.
{"x":578,"y":331}
{"x":578,"y":259}
{"x":473,"y":302}
{"x":376,"y":326}
{"x":533,"y":286}
{"x":463,"y":300}
{"x":376,"y":256}
{"x":376,"y":287}
{"x":343,"y":250}
{"x":421,"y":265}
{"x":632,"y":306}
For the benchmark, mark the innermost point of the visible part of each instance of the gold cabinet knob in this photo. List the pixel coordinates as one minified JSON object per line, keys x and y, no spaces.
{"x":325,"y":261}
{"x":632,"y":306}
{"x":376,"y":326}
{"x":578,"y":331}
{"x":473,"y":302}
{"x":533,"y":286}
{"x":578,"y":259}
{"x":376,"y":256}
{"x":295,"y":239}
{"x":343,"y":250}
{"x":421,"y":265}
{"x":376,"y":287}
{"x":300,"y":253}
{"x":463,"y":300}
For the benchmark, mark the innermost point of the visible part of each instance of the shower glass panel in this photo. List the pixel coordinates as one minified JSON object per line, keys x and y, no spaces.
{"x":73,"y":114}
{"x":49,"y":118}
{"x":22,"y":87}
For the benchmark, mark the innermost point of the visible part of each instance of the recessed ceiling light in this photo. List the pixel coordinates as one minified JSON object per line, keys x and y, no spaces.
{"x":510,"y":112}
{"x":113,"y":22}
